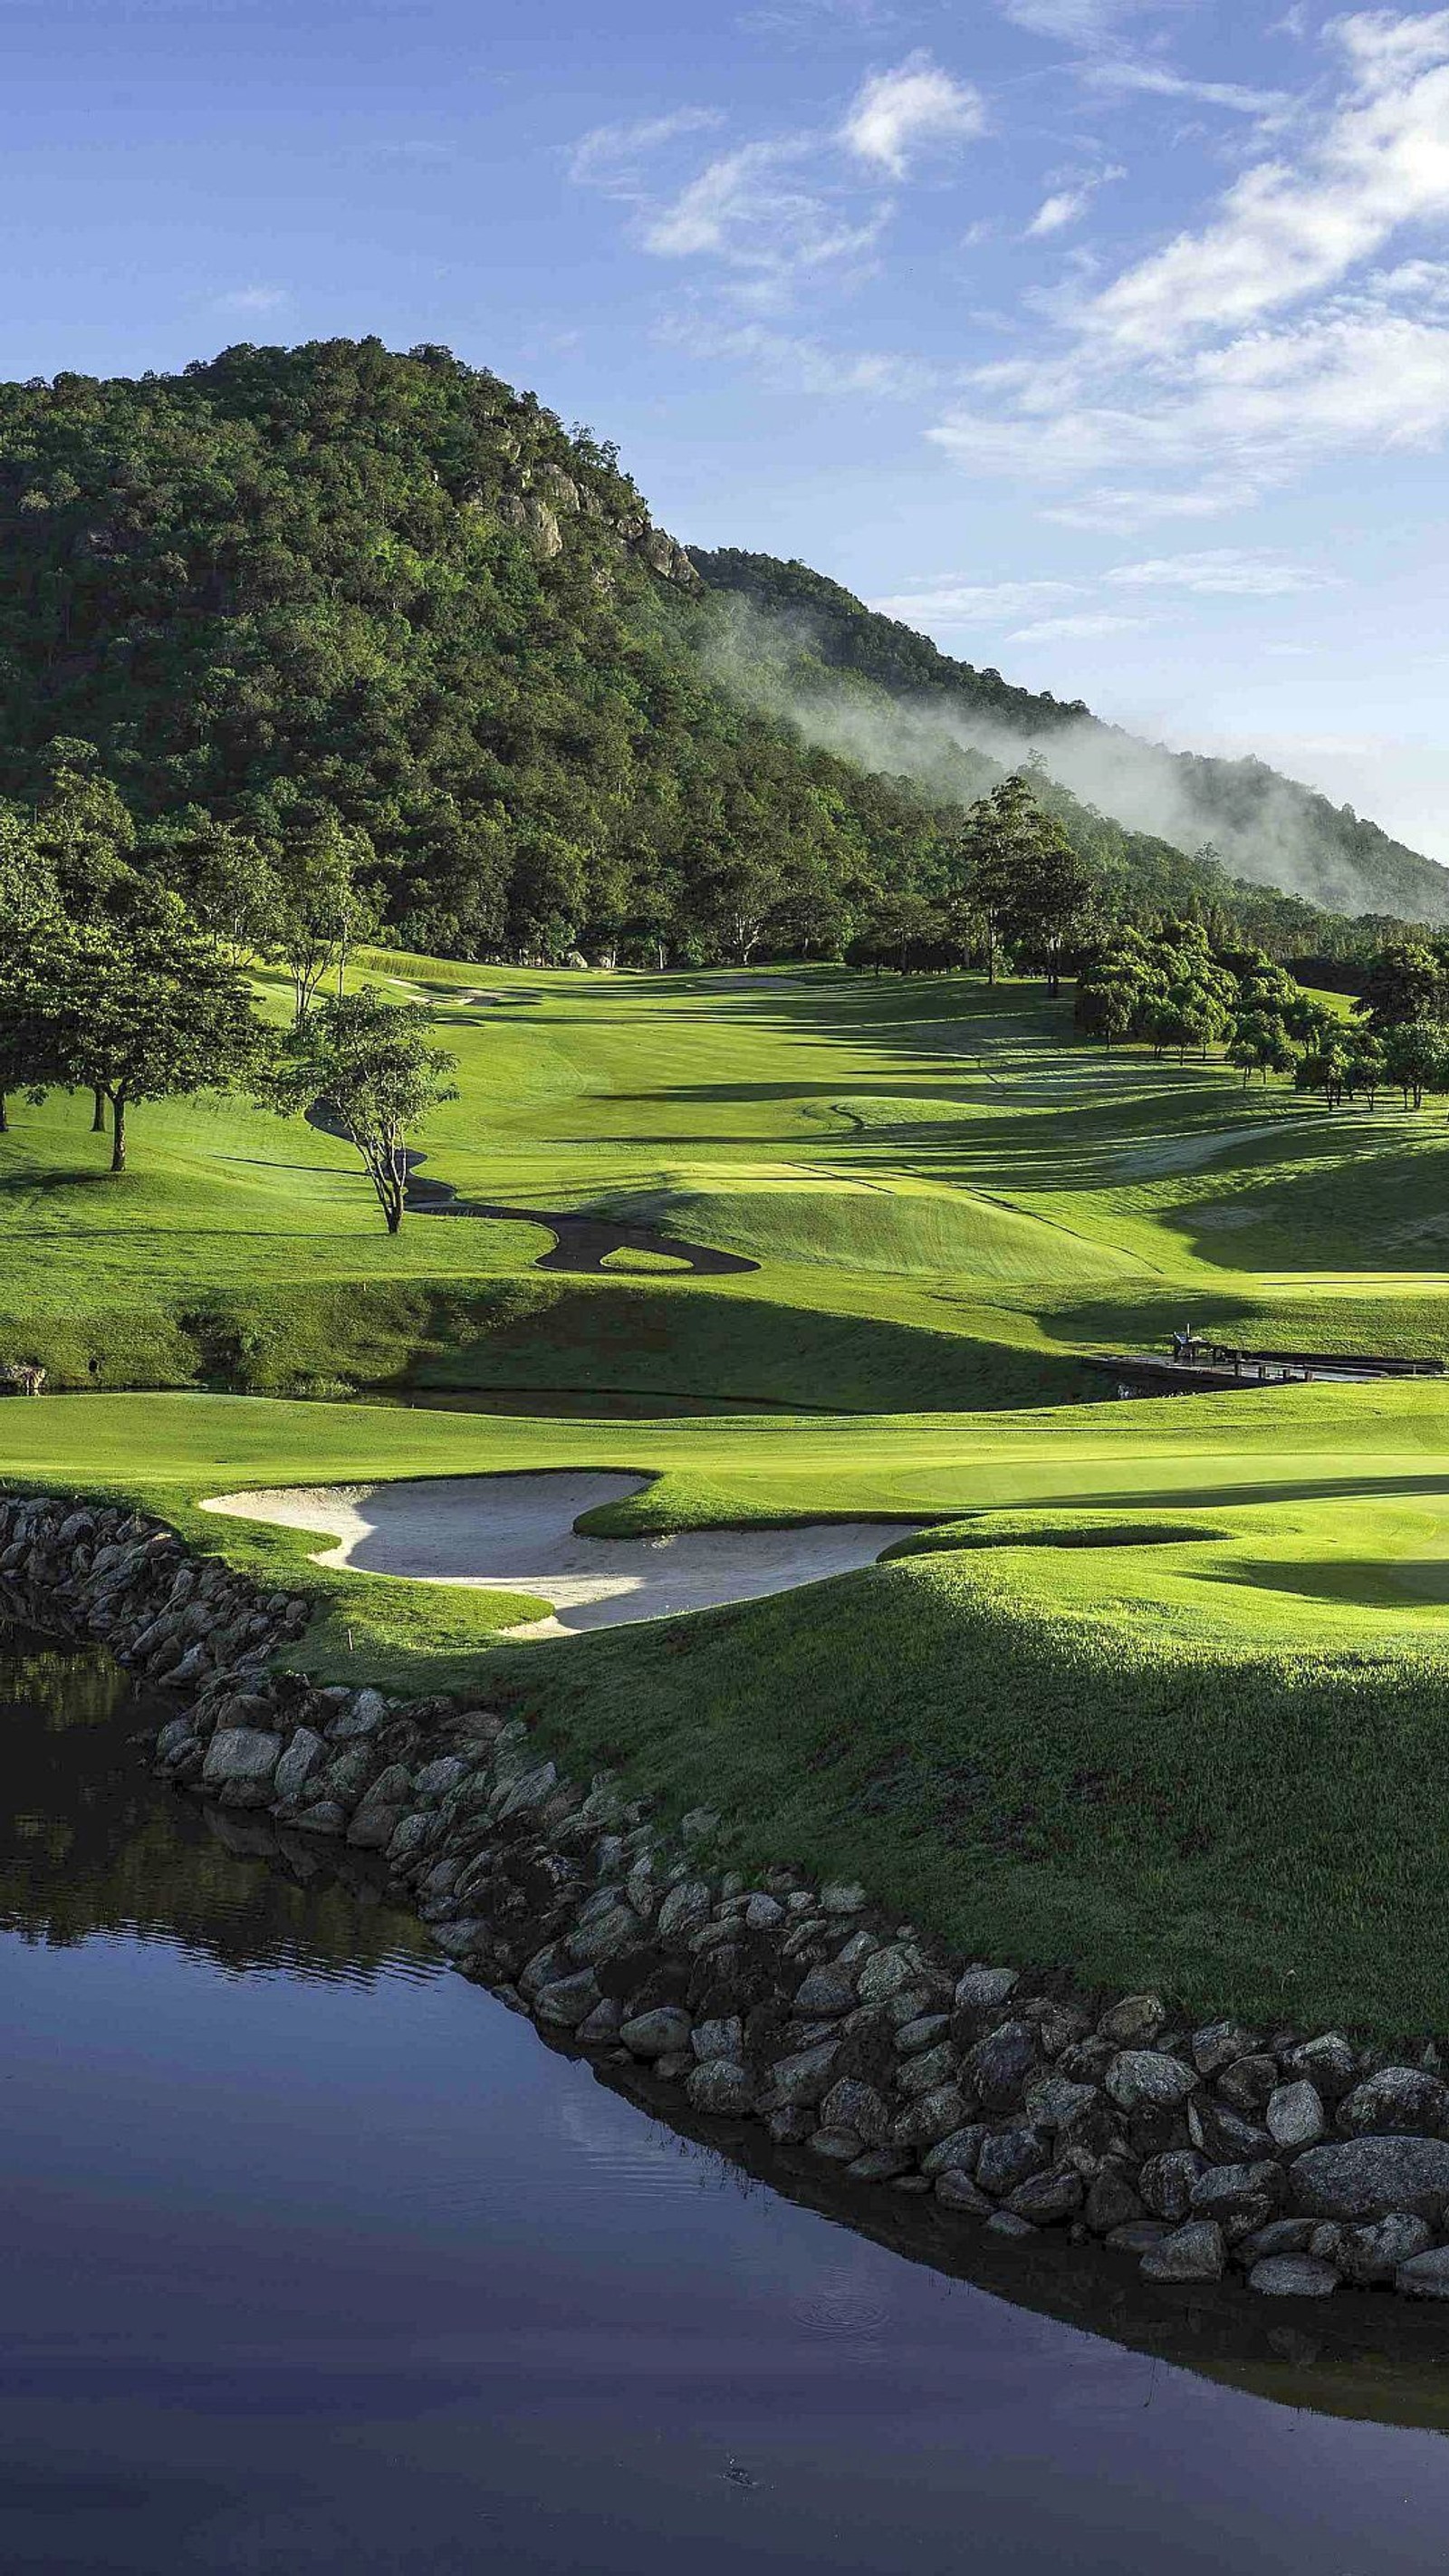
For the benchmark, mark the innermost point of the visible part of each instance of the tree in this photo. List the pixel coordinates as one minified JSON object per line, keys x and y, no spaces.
{"x":1260,"y":1044}
{"x":369,"y":1063}
{"x":140,"y":1009}
{"x":1416,"y":1059}
{"x":1407,"y":981}
{"x":1366,"y":1066}
{"x":325,"y":907}
{"x":234,"y":891}
{"x":1324,"y":1068}
{"x":1052,"y":894}
{"x":992,"y":852}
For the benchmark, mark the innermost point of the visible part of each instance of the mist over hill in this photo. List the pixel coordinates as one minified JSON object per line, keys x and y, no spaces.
{"x":798,"y":636}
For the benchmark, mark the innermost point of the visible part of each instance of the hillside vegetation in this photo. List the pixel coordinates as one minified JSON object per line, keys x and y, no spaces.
{"x":856,"y":677}
{"x":338,"y":589}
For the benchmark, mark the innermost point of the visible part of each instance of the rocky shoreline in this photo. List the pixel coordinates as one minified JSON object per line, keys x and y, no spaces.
{"x":1016,"y":2103}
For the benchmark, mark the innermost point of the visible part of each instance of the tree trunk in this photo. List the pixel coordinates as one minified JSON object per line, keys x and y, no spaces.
{"x":4,"y":1118}
{"x":990,"y":950}
{"x":98,"y":1115}
{"x":117,"y":1100}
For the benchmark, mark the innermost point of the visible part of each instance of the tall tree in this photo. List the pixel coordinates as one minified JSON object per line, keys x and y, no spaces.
{"x":326,"y":906}
{"x":141,"y":1009}
{"x":370,"y":1064}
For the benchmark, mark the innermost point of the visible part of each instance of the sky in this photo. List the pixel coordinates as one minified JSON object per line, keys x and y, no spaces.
{"x":1106,"y":341}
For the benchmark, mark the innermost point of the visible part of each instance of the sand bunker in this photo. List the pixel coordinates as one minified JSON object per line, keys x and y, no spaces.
{"x":515,"y":1533}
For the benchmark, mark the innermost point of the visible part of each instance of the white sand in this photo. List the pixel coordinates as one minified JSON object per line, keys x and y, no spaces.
{"x":515,"y":1533}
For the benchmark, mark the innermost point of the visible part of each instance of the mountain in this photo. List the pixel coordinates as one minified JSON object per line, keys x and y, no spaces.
{"x":336,"y":582}
{"x":1262,"y":826}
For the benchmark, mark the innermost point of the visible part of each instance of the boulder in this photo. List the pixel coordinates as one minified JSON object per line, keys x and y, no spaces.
{"x":1009,"y":2158}
{"x":240,"y":1753}
{"x":1140,"y":2076}
{"x":998,"y":2066}
{"x":1293,"y":2276}
{"x":1192,"y":2253}
{"x":1372,"y":2177}
{"x":1295,"y":2115}
{"x":1400,"y":2101}
{"x":1134,"y":2021}
{"x":656,"y":2033}
{"x":721,"y":2087}
{"x":1370,"y":2255}
{"x":1424,"y":2276}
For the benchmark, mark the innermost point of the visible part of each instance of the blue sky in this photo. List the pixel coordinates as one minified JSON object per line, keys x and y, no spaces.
{"x":1106,"y":340}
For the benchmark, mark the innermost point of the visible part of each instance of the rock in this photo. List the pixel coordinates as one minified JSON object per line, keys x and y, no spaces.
{"x":879,"y":2164}
{"x":373,"y":1827}
{"x":656,"y":2033}
{"x":1004,"y":2222}
{"x":174,"y":1737}
{"x":799,"y":2082}
{"x":1424,"y":2276}
{"x":1192,"y":2253}
{"x":362,"y":1716}
{"x":1166,"y":2182}
{"x":1369,"y":2255}
{"x":954,"y":2154}
{"x":674,"y":2063}
{"x":1295,"y":2115}
{"x":922,"y":2033}
{"x":1249,"y":2083}
{"x":437,"y":1778}
{"x":1224,"y":2136}
{"x":981,"y":1988}
{"x":1328,"y":2063}
{"x":305,"y":1754}
{"x":923,"y":2074}
{"x":722,"y":2088}
{"x":722,"y":2037}
{"x":1010,"y":2157}
{"x":1048,"y":2199}
{"x":602,"y":2024}
{"x":1111,"y":2203}
{"x":836,"y":2146}
{"x":955,"y":2190}
{"x":1293,"y":2276}
{"x":997,"y":2067}
{"x":614,"y":1929}
{"x":530,"y":1792}
{"x":763,"y":1913}
{"x":568,"y":2000}
{"x":240,"y":1753}
{"x":698,"y":1825}
{"x":1134,"y":2021}
{"x":1217,"y":2045}
{"x":936,"y":2115}
{"x":325,"y":1818}
{"x":1056,"y":2103}
{"x":1240,"y":2197}
{"x":1138,"y":2236}
{"x":684,"y":1909}
{"x":888,"y":1971}
{"x":1140,"y":2076}
{"x":851,"y":2105}
{"x":822,"y":1994}
{"x":842,"y":1900}
{"x":1372,"y":2177}
{"x":1280,"y":2236}
{"x":1399,"y":2101}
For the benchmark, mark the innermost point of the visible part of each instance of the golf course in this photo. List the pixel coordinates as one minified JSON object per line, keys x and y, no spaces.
{"x":1153,"y":1691}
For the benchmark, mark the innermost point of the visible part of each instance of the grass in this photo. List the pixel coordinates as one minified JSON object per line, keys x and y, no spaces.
{"x":1161,"y":1690}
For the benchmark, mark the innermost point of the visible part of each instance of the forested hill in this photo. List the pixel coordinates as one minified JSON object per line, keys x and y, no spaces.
{"x":1262,"y":825}
{"x":385,"y":610}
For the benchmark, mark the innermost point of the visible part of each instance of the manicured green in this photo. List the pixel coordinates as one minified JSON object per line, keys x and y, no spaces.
{"x":1160,"y":1690}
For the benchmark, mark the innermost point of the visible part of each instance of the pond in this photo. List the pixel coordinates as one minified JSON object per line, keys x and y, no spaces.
{"x":316,"y":2257}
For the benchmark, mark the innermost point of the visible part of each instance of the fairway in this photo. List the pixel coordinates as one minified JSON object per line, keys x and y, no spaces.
{"x":1153,"y":1687}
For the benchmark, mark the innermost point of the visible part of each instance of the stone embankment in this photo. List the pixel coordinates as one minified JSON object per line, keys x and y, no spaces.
{"x":1300,"y":2162}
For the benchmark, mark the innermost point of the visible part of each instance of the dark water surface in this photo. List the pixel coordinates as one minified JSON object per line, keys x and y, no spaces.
{"x":317,"y":2258}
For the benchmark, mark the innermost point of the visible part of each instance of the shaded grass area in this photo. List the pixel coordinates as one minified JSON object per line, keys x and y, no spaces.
{"x":1007,"y":1761}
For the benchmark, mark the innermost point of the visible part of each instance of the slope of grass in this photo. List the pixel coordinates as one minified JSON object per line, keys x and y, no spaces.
{"x":1162,"y":1689}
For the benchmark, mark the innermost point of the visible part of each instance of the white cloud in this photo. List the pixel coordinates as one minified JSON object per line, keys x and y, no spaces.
{"x":965,"y":603}
{"x":1068,"y":203}
{"x":610,"y":156}
{"x":1118,"y":72}
{"x":782,"y":358}
{"x":1119,"y":509}
{"x":253,"y":299}
{"x":1285,"y":232}
{"x":1077,"y":22}
{"x":1223,"y":572}
{"x":749,"y":211}
{"x":1077,"y":629}
{"x":918,"y":103}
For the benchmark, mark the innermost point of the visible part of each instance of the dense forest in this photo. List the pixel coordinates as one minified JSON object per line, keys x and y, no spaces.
{"x":384,"y":612}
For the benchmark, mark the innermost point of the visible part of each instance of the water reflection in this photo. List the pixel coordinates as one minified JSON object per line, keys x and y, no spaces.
{"x":316,"y":2259}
